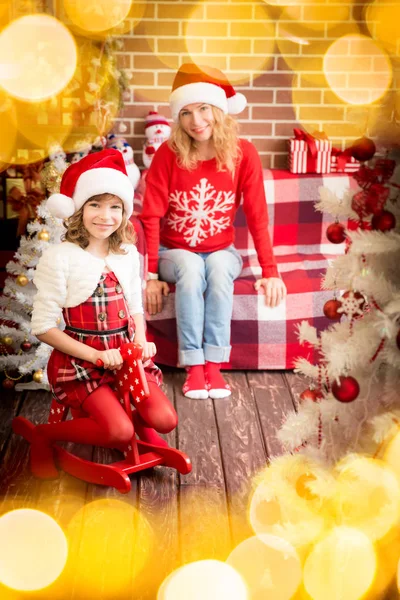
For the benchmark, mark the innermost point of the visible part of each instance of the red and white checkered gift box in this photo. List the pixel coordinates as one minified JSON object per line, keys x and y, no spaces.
{"x":342,"y":163}
{"x":308,"y":154}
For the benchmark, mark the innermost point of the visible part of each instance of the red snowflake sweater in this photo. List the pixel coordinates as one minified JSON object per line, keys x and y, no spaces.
{"x":198,"y":207}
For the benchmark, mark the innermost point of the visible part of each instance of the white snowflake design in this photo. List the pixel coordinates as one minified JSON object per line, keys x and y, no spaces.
{"x":351,"y":306}
{"x":202,"y":214}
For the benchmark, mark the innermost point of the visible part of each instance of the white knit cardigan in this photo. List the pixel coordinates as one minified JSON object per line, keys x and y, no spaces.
{"x":67,"y":275}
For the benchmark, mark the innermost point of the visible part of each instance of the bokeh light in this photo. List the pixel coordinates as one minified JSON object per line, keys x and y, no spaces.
{"x":7,"y":127}
{"x":33,"y":550}
{"x":279,"y":507}
{"x":97,"y":15}
{"x":391,"y":455}
{"x":269,"y":565}
{"x":368,"y":496}
{"x":319,"y":15}
{"x":342,"y":565}
{"x":382,"y":18}
{"x":37,"y":57}
{"x":211,"y":579}
{"x":231,"y":53}
{"x":357,"y":70}
{"x":113,"y":542}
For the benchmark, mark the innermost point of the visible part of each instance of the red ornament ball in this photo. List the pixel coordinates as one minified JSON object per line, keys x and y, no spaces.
{"x":335,"y":233}
{"x":313,"y":395}
{"x":331,"y":309}
{"x":384,"y":221}
{"x":346,"y":390}
{"x":26,"y":346}
{"x":8,"y":384}
{"x":363,"y":149}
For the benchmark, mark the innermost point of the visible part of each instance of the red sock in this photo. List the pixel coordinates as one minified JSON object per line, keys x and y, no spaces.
{"x":147,"y":434}
{"x":216,"y":384}
{"x":195,"y":384}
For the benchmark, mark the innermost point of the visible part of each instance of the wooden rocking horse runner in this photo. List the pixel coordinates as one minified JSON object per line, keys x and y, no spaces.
{"x":132,"y":389}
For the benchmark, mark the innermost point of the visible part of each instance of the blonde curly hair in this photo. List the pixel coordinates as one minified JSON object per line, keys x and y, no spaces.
{"x":225,"y":138}
{"x":78,"y":234}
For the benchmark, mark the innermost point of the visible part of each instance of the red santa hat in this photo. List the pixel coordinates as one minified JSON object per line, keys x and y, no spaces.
{"x":154,"y":118}
{"x":195,"y":83}
{"x":99,"y":173}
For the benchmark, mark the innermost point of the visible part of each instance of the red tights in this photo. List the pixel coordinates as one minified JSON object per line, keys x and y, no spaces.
{"x":106,"y":424}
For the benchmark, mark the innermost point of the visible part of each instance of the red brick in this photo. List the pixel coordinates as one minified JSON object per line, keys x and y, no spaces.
{"x":151,"y":94}
{"x":275,"y":80}
{"x":283,"y":97}
{"x":281,"y":113}
{"x":280,"y":161}
{"x":205,"y":30}
{"x":327,"y":113}
{"x":259,"y":96}
{"x":176,"y":10}
{"x":137,"y":111}
{"x":140,"y":78}
{"x":136,"y":142}
{"x":228,"y":46}
{"x":256,"y":129}
{"x":157,"y":27}
{"x":152,"y":62}
{"x":165,"y":79}
{"x":137,"y":44}
{"x":219,"y":62}
{"x":270,"y":144}
{"x":266,"y":160}
{"x":255,"y":29}
{"x":229,"y":12}
{"x":285,"y":129}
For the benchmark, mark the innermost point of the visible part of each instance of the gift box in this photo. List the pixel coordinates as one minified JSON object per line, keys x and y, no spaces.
{"x":309,"y":153}
{"x":343,"y":162}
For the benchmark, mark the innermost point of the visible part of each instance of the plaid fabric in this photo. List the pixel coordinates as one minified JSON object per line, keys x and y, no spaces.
{"x":265,"y":338}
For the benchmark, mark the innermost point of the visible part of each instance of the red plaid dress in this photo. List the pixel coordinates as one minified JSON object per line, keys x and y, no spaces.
{"x":102,"y":322}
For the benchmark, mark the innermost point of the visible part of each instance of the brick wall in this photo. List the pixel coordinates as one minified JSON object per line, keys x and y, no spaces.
{"x":267,"y":54}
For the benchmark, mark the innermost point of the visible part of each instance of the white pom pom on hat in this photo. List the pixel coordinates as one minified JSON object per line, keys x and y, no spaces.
{"x":99,"y":173}
{"x":196,"y":83}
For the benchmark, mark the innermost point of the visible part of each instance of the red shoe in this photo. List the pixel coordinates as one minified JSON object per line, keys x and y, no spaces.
{"x":216,"y":384}
{"x":195,"y":384}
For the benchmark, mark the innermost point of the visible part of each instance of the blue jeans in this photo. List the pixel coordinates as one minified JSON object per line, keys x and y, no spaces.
{"x":203,"y":301}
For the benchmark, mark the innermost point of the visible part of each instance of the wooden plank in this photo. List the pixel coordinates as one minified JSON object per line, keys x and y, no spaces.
{"x":274,"y":402}
{"x":296,"y":383}
{"x":203,"y":510}
{"x":158,"y":503}
{"x":242,"y":448}
{"x":9,"y":405}
{"x":18,"y":487}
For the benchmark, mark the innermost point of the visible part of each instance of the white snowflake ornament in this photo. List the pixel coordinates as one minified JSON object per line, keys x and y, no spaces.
{"x":351,"y":304}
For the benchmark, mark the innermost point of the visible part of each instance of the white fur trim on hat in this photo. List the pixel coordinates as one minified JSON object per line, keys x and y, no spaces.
{"x":197,"y":92}
{"x":60,"y":206}
{"x":236,"y":103}
{"x":103,"y":181}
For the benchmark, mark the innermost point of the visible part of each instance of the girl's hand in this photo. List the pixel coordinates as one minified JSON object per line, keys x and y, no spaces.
{"x":274,"y":290}
{"x":111,"y":359}
{"x":149,"y":348}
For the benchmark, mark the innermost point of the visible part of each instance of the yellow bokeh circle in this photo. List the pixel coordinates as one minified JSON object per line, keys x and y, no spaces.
{"x":37,"y":57}
{"x":342,"y":565}
{"x":357,"y":69}
{"x":368,"y":496}
{"x":33,"y":550}
{"x":97,"y":15}
{"x":211,"y":579}
{"x":382,"y":17}
{"x":269,"y":565}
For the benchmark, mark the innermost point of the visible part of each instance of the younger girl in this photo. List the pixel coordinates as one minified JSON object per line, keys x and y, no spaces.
{"x":93,"y":279}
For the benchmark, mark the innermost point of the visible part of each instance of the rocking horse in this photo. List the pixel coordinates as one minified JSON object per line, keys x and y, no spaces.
{"x":132,"y":389}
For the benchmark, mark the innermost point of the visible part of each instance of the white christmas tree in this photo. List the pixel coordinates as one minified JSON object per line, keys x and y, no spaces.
{"x":354,"y":397}
{"x":22,"y":353}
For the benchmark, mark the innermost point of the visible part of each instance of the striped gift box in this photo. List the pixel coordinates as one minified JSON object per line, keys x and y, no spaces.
{"x":302,"y":161}
{"x":352,"y":165}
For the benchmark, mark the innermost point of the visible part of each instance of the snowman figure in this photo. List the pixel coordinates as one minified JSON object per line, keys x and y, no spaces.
{"x":120,"y":143}
{"x":157,"y":130}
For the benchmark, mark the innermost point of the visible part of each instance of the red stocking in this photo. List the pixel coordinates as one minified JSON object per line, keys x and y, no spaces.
{"x":106,"y":425}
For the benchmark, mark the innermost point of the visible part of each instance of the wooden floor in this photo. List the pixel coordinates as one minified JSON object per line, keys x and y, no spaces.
{"x":197,"y":516}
